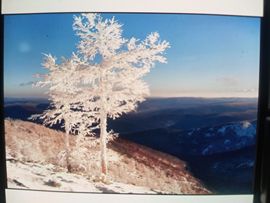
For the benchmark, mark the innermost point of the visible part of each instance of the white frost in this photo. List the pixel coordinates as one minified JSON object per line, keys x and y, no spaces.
{"x":103,"y":79}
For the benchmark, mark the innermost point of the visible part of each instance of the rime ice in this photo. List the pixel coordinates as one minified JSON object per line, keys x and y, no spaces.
{"x":103,"y":79}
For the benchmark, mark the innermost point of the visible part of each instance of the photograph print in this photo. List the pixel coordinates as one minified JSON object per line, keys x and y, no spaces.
{"x":131,"y":103}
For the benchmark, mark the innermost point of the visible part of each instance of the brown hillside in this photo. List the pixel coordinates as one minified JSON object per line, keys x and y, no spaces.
{"x":129,"y":163}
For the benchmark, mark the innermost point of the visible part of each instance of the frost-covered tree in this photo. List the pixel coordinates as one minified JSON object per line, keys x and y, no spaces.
{"x":112,"y":77}
{"x":104,"y":79}
{"x":63,"y":87}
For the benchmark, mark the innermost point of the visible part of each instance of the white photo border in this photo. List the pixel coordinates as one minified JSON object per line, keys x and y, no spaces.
{"x":212,"y":7}
{"x":217,"y":7}
{"x":26,"y":196}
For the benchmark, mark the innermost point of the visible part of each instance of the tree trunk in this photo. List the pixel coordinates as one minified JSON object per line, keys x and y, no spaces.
{"x":67,"y":146}
{"x":103,"y":128}
{"x":103,"y":147}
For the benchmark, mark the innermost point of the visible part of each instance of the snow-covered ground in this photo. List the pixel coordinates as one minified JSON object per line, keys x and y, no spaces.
{"x":27,"y":175}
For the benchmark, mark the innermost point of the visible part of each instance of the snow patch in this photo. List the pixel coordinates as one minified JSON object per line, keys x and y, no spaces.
{"x":191,"y":133}
{"x":207,"y":149}
{"x":169,"y":123}
{"x":246,"y":124}
{"x":247,"y":164}
{"x":27,"y":175}
{"x":208,"y":135}
{"x":226,"y":142}
{"x":222,"y":130}
{"x":244,"y":129}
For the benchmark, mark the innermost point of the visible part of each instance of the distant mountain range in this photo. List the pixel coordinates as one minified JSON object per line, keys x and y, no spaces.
{"x":221,"y":156}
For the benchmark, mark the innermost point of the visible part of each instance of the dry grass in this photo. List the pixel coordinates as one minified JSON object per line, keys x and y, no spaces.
{"x":128,"y":162}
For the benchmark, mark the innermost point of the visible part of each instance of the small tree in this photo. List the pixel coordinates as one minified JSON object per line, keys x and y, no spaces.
{"x":61,"y":82}
{"x":114,"y":71}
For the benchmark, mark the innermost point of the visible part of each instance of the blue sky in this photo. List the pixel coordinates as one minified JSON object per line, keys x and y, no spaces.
{"x":210,"y":56}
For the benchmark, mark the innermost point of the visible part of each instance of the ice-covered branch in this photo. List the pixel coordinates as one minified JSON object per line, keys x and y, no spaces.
{"x":103,"y":79}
